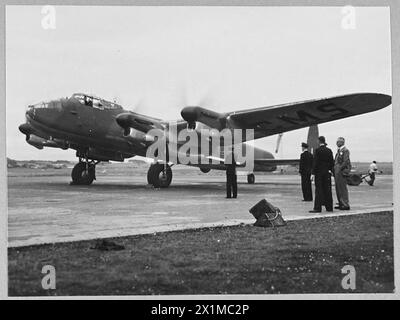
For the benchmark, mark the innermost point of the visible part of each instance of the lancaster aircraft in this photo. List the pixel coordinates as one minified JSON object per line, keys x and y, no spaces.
{"x":100,"y":130}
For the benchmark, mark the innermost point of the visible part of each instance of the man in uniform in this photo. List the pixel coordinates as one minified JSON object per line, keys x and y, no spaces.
{"x":321,"y":172}
{"x":342,"y":171}
{"x":231,"y":178}
{"x":306,"y":163}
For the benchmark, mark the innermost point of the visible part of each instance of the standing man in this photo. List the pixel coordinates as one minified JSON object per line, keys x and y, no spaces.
{"x":231,"y":177}
{"x":342,"y":171}
{"x":306,"y":163}
{"x":321,"y":171}
{"x":373,"y":169}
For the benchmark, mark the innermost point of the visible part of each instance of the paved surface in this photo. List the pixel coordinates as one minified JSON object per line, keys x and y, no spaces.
{"x":44,"y":208}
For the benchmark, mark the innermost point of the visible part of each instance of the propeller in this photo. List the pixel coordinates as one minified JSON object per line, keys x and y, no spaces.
{"x":190,"y":99}
{"x":194,"y":96}
{"x":125,"y":119}
{"x":140,"y":106}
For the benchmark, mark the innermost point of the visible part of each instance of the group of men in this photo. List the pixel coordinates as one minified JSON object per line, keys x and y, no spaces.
{"x":320,"y":167}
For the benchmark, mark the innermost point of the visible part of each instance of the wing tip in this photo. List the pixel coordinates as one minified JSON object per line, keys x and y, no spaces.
{"x":380,"y":98}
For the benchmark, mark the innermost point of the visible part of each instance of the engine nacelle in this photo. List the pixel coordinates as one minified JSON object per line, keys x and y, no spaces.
{"x":210,"y":118}
{"x":136,"y":121}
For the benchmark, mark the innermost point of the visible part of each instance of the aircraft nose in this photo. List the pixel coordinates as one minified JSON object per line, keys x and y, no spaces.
{"x":43,"y":110}
{"x":25,"y":128}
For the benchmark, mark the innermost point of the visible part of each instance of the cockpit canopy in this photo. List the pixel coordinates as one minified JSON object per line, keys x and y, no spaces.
{"x":95,"y":102}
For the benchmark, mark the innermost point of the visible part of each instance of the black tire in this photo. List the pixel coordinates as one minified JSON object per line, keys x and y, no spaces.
{"x":158,"y":176}
{"x":150,"y":174}
{"x":251,"y":178}
{"x":81,"y":176}
{"x":205,"y":170}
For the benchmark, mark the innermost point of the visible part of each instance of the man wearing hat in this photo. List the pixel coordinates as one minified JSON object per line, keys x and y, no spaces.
{"x":322,"y":169}
{"x":342,"y":171}
{"x":306,"y":163}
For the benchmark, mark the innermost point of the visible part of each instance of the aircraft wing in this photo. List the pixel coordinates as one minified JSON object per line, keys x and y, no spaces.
{"x":267,"y":121}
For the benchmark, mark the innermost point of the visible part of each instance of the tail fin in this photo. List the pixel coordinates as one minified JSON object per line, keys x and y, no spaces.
{"x":312,"y":138}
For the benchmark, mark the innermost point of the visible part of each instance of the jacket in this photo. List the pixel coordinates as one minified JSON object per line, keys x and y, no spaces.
{"x":323,"y":161}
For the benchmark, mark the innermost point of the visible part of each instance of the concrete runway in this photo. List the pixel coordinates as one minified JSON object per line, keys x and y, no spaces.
{"x":44,"y":208}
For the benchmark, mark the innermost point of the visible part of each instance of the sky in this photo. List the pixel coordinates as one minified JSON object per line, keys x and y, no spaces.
{"x":157,"y":60}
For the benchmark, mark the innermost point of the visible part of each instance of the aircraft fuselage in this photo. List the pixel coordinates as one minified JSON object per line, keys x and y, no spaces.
{"x":92,"y":130}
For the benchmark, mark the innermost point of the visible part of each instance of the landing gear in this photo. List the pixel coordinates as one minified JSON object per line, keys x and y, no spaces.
{"x":251,"y":178}
{"x":84,"y":173}
{"x":205,"y":170}
{"x":159,"y":175}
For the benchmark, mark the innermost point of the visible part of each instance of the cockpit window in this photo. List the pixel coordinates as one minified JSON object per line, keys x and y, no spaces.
{"x":95,"y":102}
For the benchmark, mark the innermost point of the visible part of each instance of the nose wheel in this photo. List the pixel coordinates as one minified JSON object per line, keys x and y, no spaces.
{"x":251,"y":178}
{"x":83,"y":173}
{"x":159,"y":175}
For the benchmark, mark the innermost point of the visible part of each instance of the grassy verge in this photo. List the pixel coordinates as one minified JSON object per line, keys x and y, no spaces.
{"x":304,"y":257}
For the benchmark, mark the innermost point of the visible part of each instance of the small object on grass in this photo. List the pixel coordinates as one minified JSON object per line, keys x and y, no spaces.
{"x":107,"y":245}
{"x":267,"y":215}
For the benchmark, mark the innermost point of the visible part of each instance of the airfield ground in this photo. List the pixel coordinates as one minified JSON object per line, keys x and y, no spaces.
{"x":306,"y":256}
{"x":44,"y":208}
{"x":198,"y":257}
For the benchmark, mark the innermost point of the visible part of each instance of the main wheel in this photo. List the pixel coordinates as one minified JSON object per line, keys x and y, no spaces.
{"x":83,"y":174}
{"x":251,"y":178}
{"x":205,"y":170}
{"x":150,"y":174}
{"x":159,"y":176}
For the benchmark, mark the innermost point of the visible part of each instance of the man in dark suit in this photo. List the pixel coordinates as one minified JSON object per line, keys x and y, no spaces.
{"x":322,"y":168}
{"x":342,"y":171}
{"x":306,"y":163}
{"x":231,"y":177}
